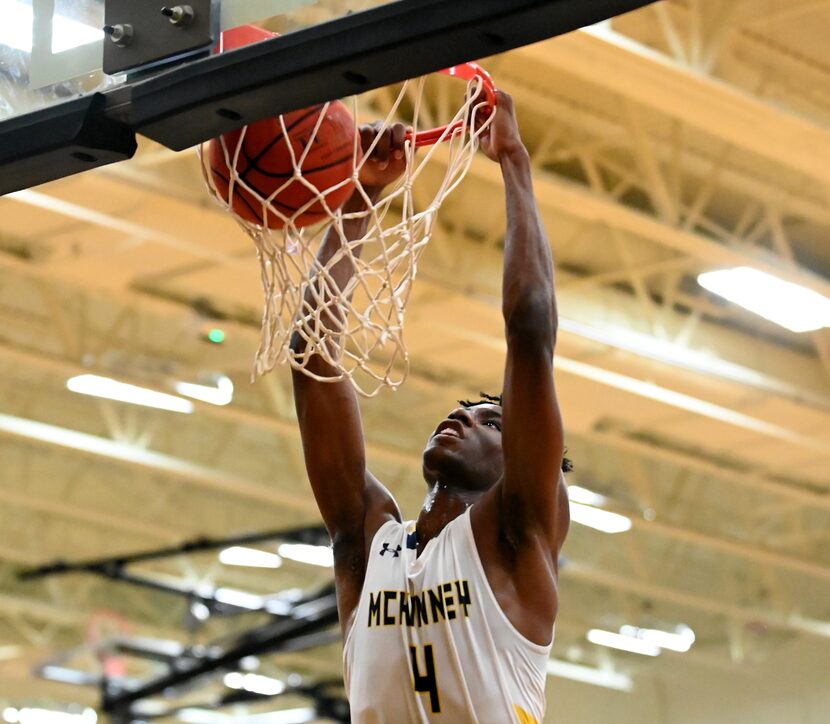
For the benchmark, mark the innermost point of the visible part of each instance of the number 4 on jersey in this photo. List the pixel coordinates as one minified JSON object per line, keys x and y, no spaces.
{"x":426,"y":682}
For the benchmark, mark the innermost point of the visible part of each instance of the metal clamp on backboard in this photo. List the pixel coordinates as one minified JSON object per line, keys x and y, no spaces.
{"x":144,"y":33}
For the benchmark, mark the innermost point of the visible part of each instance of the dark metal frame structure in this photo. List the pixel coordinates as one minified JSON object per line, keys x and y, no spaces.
{"x":201,"y":99}
{"x":115,"y":568}
{"x":307,"y":624}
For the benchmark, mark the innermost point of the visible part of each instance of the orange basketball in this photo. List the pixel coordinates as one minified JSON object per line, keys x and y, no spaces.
{"x":266,"y":162}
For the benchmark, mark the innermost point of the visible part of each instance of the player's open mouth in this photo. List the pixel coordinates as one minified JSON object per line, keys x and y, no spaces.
{"x":450,"y":428}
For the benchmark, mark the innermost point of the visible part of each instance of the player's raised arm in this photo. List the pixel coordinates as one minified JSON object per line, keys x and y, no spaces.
{"x":533,"y":494}
{"x":352,"y":502}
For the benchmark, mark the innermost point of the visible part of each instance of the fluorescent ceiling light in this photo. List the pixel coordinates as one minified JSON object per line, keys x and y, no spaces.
{"x":255,"y":683}
{"x":28,"y":715}
{"x":623,"y":643}
{"x":278,"y":607}
{"x":286,"y":716}
{"x":602,"y":520}
{"x":304,"y":553}
{"x":65,"y":675}
{"x":589,"y":675}
{"x":241,"y":599}
{"x":672,"y":353}
{"x":790,"y":305}
{"x":110,"y":389}
{"x":18,"y":22}
{"x":649,"y":391}
{"x":150,"y":707}
{"x":222,"y":394}
{"x":250,"y":557}
{"x":578,"y":494}
{"x":199,"y":611}
{"x":681,"y":640}
{"x":192,"y":715}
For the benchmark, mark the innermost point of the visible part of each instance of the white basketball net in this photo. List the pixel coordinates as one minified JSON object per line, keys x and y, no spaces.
{"x":358,"y":330}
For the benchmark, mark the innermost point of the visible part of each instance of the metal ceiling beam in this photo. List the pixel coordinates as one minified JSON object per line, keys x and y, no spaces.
{"x":18,"y":686}
{"x":129,"y":229}
{"x":69,"y":615}
{"x":578,"y":202}
{"x":112,"y":566}
{"x":226,"y":414}
{"x":786,"y":11}
{"x":84,"y":444}
{"x":616,"y":63}
{"x":753,"y":480}
{"x":48,"y":613}
{"x":750,"y":552}
{"x":665,"y":396}
{"x":735,"y":177}
{"x":710,"y":604}
{"x":88,"y":516}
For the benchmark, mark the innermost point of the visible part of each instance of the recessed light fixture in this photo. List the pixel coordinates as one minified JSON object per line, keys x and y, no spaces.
{"x":680,"y":640}
{"x":111,"y":389}
{"x":33,"y":715}
{"x":789,"y":305}
{"x":623,"y":643}
{"x":598,"y":519}
{"x":221,"y":394}
{"x":304,"y":553}
{"x":250,"y":557}
{"x":254,"y":683}
{"x":578,"y":494}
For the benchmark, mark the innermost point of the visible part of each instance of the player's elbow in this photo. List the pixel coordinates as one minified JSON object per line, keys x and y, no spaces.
{"x":532,"y":318}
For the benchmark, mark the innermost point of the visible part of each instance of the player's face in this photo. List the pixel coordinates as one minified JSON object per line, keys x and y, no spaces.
{"x":465,"y":449}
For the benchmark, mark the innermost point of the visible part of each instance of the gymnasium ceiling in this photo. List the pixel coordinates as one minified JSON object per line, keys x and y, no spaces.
{"x":688,"y":136}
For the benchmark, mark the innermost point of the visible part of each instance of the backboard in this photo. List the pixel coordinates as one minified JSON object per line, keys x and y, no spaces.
{"x":79,"y":78}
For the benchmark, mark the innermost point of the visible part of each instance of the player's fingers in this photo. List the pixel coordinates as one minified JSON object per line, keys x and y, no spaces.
{"x":381,"y":154}
{"x":504,"y":100}
{"x":367,"y":135}
{"x":505,"y":108}
{"x":398,"y":140}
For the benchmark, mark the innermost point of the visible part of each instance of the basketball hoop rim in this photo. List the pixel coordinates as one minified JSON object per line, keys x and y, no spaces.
{"x":465,"y":71}
{"x":243,"y":35}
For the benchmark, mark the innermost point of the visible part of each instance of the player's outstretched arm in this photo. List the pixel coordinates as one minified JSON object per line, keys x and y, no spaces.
{"x":533,"y":494}
{"x":352,"y":502}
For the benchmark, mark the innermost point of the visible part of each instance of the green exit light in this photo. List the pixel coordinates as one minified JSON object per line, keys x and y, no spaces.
{"x":215,"y":335}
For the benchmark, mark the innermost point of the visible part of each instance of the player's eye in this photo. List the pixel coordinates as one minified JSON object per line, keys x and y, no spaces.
{"x":493,"y":423}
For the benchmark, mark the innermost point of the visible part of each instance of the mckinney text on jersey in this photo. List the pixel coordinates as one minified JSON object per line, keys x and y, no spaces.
{"x":402,"y":608}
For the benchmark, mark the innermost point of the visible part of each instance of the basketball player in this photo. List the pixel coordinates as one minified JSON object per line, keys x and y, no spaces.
{"x":450,"y":618}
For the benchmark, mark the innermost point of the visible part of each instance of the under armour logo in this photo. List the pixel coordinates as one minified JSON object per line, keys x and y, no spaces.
{"x":396,"y":553}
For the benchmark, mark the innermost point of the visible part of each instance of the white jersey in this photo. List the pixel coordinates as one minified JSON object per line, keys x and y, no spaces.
{"x":430,"y":643}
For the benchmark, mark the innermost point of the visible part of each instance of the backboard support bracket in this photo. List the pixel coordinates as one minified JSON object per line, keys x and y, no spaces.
{"x":59,"y":141}
{"x":145,"y":33}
